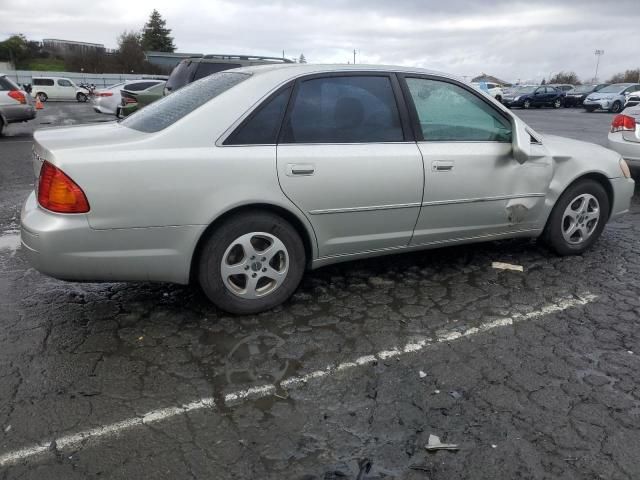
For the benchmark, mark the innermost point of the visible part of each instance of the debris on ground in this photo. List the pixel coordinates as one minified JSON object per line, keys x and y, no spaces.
{"x":507,"y":266}
{"x":422,"y":374}
{"x":435,"y":444}
{"x":455,"y":394}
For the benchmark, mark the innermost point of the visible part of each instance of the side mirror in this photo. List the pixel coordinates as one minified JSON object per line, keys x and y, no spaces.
{"x":521,"y":141}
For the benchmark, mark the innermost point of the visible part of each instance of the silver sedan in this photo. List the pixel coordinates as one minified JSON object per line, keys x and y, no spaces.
{"x":242,"y":180}
{"x":624,"y":135}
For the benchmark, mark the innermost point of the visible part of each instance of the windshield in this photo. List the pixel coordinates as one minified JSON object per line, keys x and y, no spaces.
{"x":168,"y":110}
{"x":181,"y":75}
{"x":613,"y":89}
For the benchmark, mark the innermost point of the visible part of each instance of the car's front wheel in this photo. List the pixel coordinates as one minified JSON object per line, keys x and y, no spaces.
{"x":81,"y":97}
{"x":616,"y":107}
{"x":578,"y":218}
{"x":251,"y":263}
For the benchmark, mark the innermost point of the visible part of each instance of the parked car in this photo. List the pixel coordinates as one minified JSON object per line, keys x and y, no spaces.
{"x":16,"y":105}
{"x":245,"y":178}
{"x":107,"y":100}
{"x":624,"y":135}
{"x":492,"y":89}
{"x":632,"y":100}
{"x":565,"y":87}
{"x":611,"y":98}
{"x":535,"y":96}
{"x":199,"y":66}
{"x":57,"y":88}
{"x":135,"y":100}
{"x":575,"y":97}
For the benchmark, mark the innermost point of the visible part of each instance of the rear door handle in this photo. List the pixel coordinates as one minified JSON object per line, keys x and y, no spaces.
{"x":300,"y":169}
{"x":441,"y":166}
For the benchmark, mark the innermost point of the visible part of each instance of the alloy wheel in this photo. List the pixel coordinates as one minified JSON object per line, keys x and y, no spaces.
{"x":580,"y":219}
{"x":254,"y":265}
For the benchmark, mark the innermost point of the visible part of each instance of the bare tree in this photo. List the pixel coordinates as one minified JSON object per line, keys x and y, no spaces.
{"x":629,"y":76}
{"x":565,"y":77}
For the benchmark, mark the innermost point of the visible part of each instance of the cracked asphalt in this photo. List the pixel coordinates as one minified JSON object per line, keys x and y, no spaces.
{"x":552,"y":396}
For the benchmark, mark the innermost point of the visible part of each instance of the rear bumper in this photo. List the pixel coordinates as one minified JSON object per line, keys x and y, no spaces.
{"x":630,"y":151}
{"x":20,"y":113}
{"x":66,"y":247}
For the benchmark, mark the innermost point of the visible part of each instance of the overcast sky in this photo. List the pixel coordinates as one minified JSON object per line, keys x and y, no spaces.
{"x":527,"y":41}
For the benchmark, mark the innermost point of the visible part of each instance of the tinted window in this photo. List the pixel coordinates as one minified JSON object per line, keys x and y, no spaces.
{"x":205,"y":69}
{"x":262,"y":128}
{"x":136,"y":87}
{"x":43,"y":81}
{"x":181,"y":75}
{"x":352,"y":109}
{"x":447,"y":112}
{"x":6,"y":84}
{"x":64,"y":83}
{"x":169,"y":109}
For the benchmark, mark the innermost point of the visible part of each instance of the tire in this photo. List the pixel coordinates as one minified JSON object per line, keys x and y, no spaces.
{"x":42,"y":96}
{"x":559,"y":234}
{"x":590,"y":109}
{"x":2,"y":126}
{"x":616,"y":107}
{"x":81,"y":97}
{"x":499,"y":98}
{"x":557,"y":103}
{"x":526,"y":104}
{"x":238,"y":245}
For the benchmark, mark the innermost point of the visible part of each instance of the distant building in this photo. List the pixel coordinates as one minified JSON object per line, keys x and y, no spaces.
{"x":167,"y":60}
{"x":491,"y":79}
{"x":66,"y":47}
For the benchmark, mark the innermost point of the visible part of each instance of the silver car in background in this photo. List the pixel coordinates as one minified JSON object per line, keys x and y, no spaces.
{"x":243,"y":179}
{"x":16,"y":105}
{"x":624,"y":135}
{"x":611,"y":98}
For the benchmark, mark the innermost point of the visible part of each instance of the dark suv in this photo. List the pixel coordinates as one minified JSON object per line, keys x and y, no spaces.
{"x":533,"y":96}
{"x":199,"y":66}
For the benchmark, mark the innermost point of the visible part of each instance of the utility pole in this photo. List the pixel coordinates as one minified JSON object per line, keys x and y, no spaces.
{"x":354,"y":56}
{"x":598,"y":54}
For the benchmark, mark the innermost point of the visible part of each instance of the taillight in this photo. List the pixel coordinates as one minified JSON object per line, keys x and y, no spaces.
{"x":58,"y":193}
{"x":127,"y":100}
{"x":18,"y":95}
{"x":623,"y":123}
{"x":104,"y":94}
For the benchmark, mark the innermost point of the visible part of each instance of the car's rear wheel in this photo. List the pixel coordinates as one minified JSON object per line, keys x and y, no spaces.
{"x":81,"y":97}
{"x":616,"y":107}
{"x":2,"y":126}
{"x":251,"y":263}
{"x":42,"y":96}
{"x":557,"y":103}
{"x":526,"y":104}
{"x":578,"y":218}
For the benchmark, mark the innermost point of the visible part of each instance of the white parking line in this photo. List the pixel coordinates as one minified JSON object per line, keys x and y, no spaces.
{"x":79,"y":439}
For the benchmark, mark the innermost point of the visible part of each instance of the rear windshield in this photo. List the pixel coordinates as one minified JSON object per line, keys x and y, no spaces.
{"x":205,"y":69}
{"x":168,"y":110}
{"x":181,"y":75}
{"x":7,"y":84}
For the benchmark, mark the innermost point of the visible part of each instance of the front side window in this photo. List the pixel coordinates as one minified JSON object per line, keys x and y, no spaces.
{"x":350,"y":109}
{"x":64,"y":83}
{"x":262,"y":127}
{"x":168,"y":110}
{"x":449,"y":113}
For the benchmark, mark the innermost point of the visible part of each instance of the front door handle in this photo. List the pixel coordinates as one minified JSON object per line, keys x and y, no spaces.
{"x":300,"y":169}
{"x":441,"y":166}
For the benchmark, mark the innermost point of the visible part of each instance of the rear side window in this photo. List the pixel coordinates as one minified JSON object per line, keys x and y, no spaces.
{"x":205,"y":69}
{"x":6,"y":84}
{"x":262,"y":127}
{"x":351,"y":109}
{"x":448,"y":112}
{"x":166,"y":111}
{"x":45,"y":82}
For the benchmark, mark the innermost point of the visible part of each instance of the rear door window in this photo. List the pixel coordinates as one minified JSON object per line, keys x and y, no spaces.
{"x":168,"y":110}
{"x":350,"y":109}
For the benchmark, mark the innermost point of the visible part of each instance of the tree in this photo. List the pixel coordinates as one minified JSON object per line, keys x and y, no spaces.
{"x":155,"y":34}
{"x":130,"y":53}
{"x":15,"y":49}
{"x":302,"y":58}
{"x":565,"y":77}
{"x":629,"y":76}
{"x":544,"y":82}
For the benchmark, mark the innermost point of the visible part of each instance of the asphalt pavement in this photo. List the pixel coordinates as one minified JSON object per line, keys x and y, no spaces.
{"x":532,"y":375}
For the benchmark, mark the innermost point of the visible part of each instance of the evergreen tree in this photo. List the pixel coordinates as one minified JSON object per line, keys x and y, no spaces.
{"x":302,"y":58}
{"x":155,"y":34}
